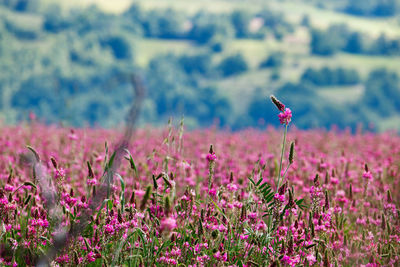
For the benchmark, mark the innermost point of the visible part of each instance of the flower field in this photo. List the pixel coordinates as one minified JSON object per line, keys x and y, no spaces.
{"x":332,"y":199}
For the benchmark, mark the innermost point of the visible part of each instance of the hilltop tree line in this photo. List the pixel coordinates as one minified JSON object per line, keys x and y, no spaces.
{"x":338,"y":38}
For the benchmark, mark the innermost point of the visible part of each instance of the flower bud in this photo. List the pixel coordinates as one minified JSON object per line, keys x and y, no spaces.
{"x":145,"y":197}
{"x":54,"y":162}
{"x":277,"y":103}
{"x":291,"y":153}
{"x":90,"y":171}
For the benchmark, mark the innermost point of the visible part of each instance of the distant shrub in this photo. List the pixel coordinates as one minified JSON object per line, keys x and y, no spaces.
{"x":329,"y":42}
{"x":241,"y":20}
{"x":21,"y":5}
{"x":355,"y":44}
{"x":217,"y":46}
{"x":166,"y":24}
{"x":305,"y":21}
{"x":327,"y":76}
{"x":20,"y":32}
{"x":382,"y":92}
{"x":274,"y":60}
{"x":385,"y":46}
{"x":275,"y":75}
{"x":120,"y":48}
{"x":208,"y":27}
{"x":54,"y":22}
{"x":200,"y":64}
{"x":377,"y":8}
{"x":232,"y":65}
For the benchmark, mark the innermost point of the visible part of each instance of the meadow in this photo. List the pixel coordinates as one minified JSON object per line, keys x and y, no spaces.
{"x":208,"y":197}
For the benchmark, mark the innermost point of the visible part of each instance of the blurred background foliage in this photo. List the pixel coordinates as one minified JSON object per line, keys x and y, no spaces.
{"x":333,"y":62}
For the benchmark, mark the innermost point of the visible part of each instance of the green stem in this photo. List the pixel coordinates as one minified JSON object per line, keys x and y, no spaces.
{"x":279,"y":175}
{"x":282,"y":152}
{"x":284,"y":175}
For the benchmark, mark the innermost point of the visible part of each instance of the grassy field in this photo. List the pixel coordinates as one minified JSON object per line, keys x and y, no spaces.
{"x":341,"y":94}
{"x":146,"y":49}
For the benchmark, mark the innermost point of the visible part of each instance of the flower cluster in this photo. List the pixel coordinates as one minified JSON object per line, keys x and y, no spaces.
{"x":286,"y":116}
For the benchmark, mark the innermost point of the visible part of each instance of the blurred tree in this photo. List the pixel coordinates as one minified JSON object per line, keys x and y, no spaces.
{"x":232,"y":65}
{"x":197,"y":64}
{"x":355,"y":44}
{"x":275,"y":60}
{"x":329,"y":42}
{"x":207,"y":27}
{"x":384,"y":46}
{"x":54,"y":22}
{"x":327,"y":76}
{"x":120,"y":48}
{"x":168,"y":24}
{"x":241,"y":20}
{"x":380,"y":8}
{"x":382,"y":92}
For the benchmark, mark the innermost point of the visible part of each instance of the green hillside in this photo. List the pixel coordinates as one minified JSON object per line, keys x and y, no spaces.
{"x":239,"y":51}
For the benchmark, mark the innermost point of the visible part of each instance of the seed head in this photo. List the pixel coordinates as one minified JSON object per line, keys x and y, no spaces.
{"x":277,"y":103}
{"x":291,"y":153}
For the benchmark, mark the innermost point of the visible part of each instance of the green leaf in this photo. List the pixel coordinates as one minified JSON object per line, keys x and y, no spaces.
{"x":167,"y":182}
{"x":122,"y":196}
{"x":252,"y":181}
{"x":30,"y":184}
{"x":106,"y":147}
{"x":310,"y":246}
{"x":110,"y":204}
{"x":111,"y":161}
{"x":88,"y":231}
{"x":264,"y":185}
{"x":269,"y":197}
{"x":144,"y":241}
{"x":219,"y":209}
{"x":133,"y":165}
{"x":87,"y":244}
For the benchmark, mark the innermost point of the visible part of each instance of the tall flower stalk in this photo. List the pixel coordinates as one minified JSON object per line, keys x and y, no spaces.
{"x":284,"y":117}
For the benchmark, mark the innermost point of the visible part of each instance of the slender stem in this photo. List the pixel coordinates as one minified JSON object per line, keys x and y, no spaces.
{"x":280,"y":170}
{"x":282,"y":152}
{"x":284,"y":175}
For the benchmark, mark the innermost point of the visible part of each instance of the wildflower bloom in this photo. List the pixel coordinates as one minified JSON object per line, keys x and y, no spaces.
{"x":279,"y":197}
{"x":168,"y":224}
{"x":60,"y":173}
{"x":91,"y":257}
{"x":367,"y":175}
{"x":109,"y":229}
{"x":211,"y":157}
{"x":285,"y":117}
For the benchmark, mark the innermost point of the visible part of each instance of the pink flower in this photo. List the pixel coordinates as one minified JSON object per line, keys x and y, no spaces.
{"x":211,"y":157}
{"x":91,"y":182}
{"x":285,"y":117}
{"x":281,"y":198}
{"x":109,"y":229}
{"x":311,"y":259}
{"x":252,"y":215}
{"x":367,"y":175}
{"x":232,"y":187}
{"x":60,"y":173}
{"x":91,"y":256}
{"x":168,"y":224}
{"x":212,"y":192}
